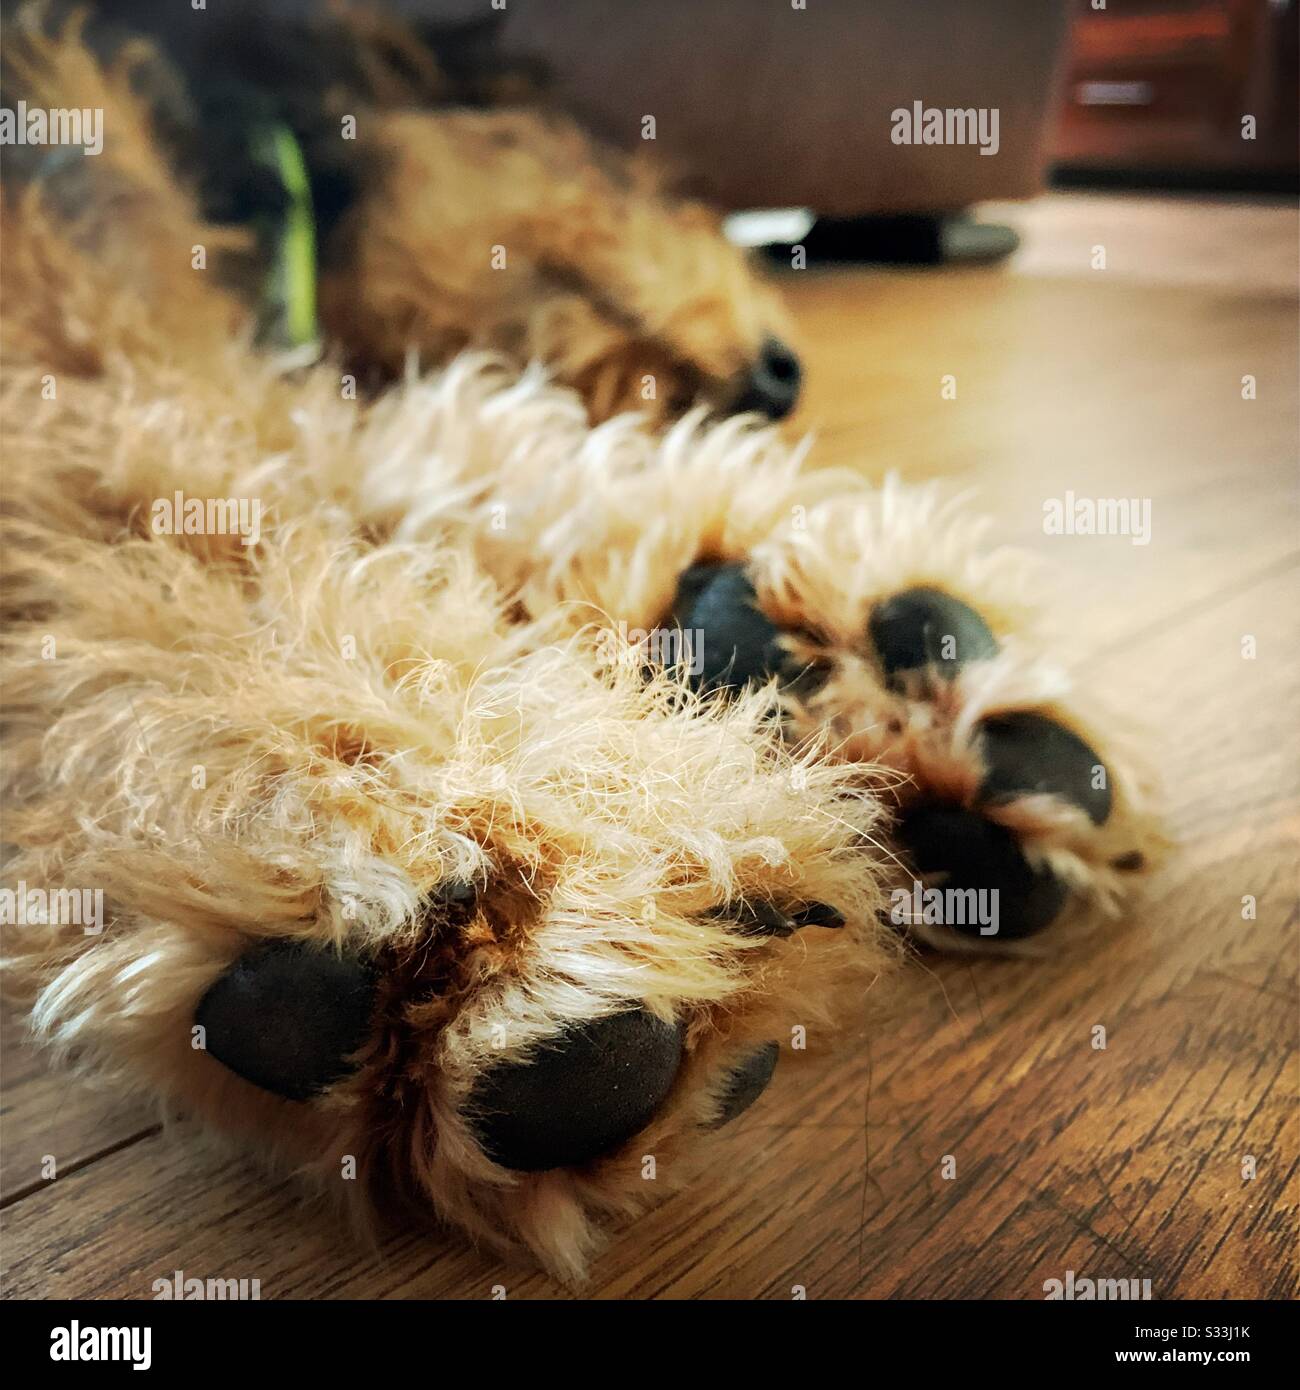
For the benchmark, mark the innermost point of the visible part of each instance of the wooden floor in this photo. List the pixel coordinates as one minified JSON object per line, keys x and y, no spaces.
{"x":1123,"y":1163}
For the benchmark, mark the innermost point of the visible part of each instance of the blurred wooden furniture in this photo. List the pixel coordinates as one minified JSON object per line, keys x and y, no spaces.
{"x":764,"y":104}
{"x":1163,"y":86}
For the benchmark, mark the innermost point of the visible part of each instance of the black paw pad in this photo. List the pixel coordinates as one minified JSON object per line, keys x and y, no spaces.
{"x":746,"y":1082}
{"x":733,"y":644}
{"x":986,"y":881}
{"x":925,"y":628}
{"x":287,"y":1016}
{"x":579,"y":1095}
{"x":1026,"y":752}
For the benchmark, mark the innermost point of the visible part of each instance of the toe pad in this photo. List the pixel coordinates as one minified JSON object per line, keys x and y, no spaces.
{"x":1026,"y":752}
{"x":735,"y":644}
{"x":578,"y":1095}
{"x":286,"y":1016}
{"x":974,"y":853}
{"x":927,"y":628}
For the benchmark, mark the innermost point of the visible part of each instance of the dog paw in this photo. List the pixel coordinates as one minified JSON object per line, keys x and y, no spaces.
{"x":1008,"y":817}
{"x":298,"y":1020}
{"x":527,"y":1036}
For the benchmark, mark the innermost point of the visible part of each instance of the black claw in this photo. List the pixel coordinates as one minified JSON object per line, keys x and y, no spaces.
{"x":926,"y":628}
{"x":758,"y":919}
{"x":1027,"y":752}
{"x":733,"y":643}
{"x":287,"y":1016}
{"x":746,"y":1082}
{"x":973,"y":853}
{"x":765,"y":919}
{"x":579,"y":1095}
{"x":818,"y":915}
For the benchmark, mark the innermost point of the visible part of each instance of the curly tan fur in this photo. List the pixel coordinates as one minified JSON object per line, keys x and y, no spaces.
{"x":408,"y":680}
{"x":369,"y":726}
{"x":510,"y":231}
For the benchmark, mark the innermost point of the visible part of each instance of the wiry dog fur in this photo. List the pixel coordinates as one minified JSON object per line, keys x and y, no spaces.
{"x":613,"y":826}
{"x":410,"y":682}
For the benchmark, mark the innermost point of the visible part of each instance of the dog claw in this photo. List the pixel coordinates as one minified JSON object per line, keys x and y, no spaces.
{"x":765,"y":919}
{"x":818,"y":915}
{"x":746,"y":1082}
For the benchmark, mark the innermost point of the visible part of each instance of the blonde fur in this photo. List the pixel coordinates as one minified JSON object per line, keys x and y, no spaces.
{"x":302,"y":738}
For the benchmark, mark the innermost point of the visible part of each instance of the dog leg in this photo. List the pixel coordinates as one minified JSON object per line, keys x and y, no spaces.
{"x":512,"y":231}
{"x":414,"y":900}
{"x":891,"y":629}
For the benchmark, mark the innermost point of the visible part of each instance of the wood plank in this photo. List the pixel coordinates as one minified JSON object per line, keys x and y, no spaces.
{"x":52,"y":1125}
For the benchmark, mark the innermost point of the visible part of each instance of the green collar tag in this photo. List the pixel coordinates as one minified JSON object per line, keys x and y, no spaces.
{"x":288,"y":315}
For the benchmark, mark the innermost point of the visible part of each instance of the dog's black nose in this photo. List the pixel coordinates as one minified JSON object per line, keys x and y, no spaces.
{"x":773,"y":386}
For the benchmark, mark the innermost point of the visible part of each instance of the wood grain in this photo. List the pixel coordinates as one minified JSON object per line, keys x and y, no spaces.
{"x":47,"y":1122}
{"x":1120,"y":1162}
